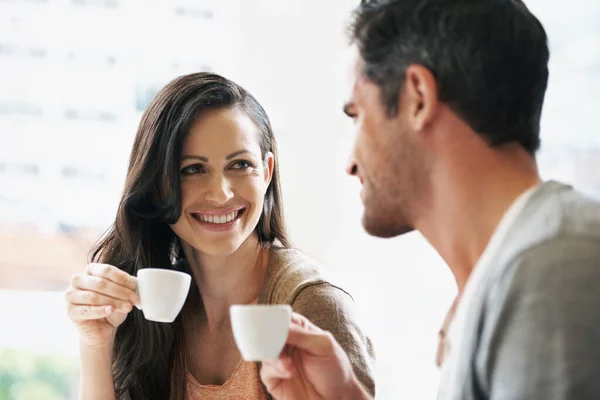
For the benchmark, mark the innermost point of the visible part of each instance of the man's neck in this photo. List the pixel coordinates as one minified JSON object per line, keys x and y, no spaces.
{"x":468,"y":201}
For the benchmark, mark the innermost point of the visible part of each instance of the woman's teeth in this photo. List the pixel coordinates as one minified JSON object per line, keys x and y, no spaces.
{"x":218,"y":219}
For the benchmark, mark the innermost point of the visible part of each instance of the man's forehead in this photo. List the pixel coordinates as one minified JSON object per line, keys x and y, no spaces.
{"x":354,"y":75}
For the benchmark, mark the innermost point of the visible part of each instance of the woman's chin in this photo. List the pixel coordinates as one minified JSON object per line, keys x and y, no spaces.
{"x":219,"y":248}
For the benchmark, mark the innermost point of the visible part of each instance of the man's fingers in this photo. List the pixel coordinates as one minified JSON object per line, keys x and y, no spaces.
{"x":309,"y":338}
{"x":274,"y":371}
{"x":302,"y":321}
{"x":282,"y":367}
{"x":113,"y":274}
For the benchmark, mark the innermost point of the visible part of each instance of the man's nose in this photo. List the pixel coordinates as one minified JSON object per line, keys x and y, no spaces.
{"x":352,"y":167}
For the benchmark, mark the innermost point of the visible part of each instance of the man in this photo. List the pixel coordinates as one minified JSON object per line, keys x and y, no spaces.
{"x":446,"y":99}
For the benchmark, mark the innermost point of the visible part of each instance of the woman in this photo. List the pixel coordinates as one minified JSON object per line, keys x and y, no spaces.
{"x":202,"y":195}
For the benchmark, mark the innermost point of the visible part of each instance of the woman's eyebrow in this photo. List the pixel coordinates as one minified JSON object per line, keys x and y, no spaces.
{"x":201,"y":158}
{"x":237,"y":153}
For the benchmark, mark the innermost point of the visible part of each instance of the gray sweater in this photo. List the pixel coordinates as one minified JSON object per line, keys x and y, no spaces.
{"x":532,"y":330}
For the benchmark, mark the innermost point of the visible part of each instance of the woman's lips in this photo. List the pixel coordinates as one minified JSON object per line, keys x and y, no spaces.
{"x":218,"y":220}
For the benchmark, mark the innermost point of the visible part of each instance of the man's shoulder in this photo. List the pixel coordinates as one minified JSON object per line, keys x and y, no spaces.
{"x":541,"y":297}
{"x":557,"y":233}
{"x":555,"y":215}
{"x":557,"y":211}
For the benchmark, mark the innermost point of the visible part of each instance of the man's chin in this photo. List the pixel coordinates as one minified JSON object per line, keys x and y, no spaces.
{"x":385,"y":229}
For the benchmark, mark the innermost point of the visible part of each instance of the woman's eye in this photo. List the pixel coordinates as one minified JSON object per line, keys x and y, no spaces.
{"x":192,"y":169}
{"x":242,"y":164}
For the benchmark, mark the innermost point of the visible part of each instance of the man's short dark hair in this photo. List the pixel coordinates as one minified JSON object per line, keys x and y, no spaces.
{"x":489,"y":58}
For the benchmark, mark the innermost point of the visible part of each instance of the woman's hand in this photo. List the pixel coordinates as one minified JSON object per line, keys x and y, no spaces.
{"x":98,"y":301}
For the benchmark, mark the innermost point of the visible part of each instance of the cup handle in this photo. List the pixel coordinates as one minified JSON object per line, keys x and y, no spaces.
{"x":137,"y":290}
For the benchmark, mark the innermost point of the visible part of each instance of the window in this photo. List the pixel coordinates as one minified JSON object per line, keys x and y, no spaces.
{"x":20,"y":108}
{"x":19,"y":169}
{"x":194,"y":13}
{"x":144,"y":95}
{"x":73,"y":172}
{"x":110,"y":4}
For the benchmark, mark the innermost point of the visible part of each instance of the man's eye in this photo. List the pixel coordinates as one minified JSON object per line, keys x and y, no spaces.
{"x":192,"y":169}
{"x":242,"y":164}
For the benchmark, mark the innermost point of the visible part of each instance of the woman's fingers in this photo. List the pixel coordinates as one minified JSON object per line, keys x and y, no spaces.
{"x":104,"y":287}
{"x":113,"y":274}
{"x":88,"y":298}
{"x":79,"y":313}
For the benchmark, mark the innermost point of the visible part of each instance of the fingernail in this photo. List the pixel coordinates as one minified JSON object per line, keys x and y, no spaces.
{"x":108,"y":309}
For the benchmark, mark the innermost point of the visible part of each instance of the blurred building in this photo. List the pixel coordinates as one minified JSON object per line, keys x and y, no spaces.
{"x":75,"y":76}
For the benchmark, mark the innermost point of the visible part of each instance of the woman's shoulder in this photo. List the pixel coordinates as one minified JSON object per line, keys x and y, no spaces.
{"x":291,"y":262}
{"x":294,"y":278}
{"x":290,"y":271}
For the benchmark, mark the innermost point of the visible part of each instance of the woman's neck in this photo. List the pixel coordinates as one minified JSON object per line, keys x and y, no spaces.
{"x":226,"y":280}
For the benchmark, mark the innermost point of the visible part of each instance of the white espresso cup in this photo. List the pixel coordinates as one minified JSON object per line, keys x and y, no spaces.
{"x":260,"y":331}
{"x":162,"y":293}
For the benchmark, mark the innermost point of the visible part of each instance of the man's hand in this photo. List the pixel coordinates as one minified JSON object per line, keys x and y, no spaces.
{"x":311,"y":366}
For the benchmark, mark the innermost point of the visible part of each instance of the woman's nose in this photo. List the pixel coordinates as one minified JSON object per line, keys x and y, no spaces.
{"x":219,"y":190}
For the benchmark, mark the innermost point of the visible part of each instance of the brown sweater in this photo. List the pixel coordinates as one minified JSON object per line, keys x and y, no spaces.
{"x":292,"y":278}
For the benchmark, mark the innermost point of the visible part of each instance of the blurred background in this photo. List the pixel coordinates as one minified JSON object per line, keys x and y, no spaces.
{"x":75,"y":76}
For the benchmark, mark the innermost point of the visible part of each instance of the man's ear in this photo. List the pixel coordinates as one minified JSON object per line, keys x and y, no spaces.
{"x":420,"y":96}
